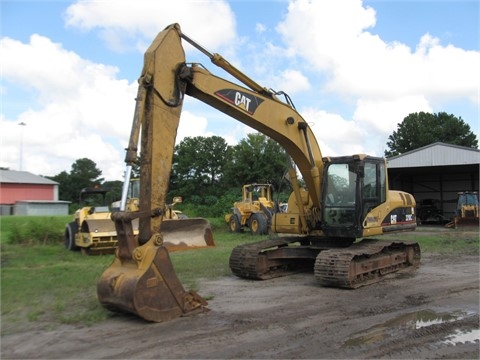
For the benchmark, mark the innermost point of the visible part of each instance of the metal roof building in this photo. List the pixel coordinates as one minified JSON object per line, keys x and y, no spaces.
{"x":436,"y":173}
{"x":436,"y":154}
{"x":23,"y":177}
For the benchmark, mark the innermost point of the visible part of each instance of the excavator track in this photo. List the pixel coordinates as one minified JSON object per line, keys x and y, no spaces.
{"x":360,"y":264}
{"x":365,"y":262}
{"x":264,"y":259}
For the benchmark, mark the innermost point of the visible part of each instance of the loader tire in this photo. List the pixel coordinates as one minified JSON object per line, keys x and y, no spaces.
{"x":234,"y":224}
{"x":258,"y":224}
{"x":69,"y":236}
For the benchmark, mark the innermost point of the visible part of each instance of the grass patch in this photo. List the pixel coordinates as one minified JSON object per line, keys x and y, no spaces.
{"x":31,"y":230}
{"x":44,"y":285}
{"x":442,"y":241}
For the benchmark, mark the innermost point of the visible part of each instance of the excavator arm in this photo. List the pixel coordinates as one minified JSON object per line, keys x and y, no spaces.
{"x":141,"y":279}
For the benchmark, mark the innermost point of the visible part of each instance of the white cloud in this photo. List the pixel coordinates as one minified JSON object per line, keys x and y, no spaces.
{"x":380,"y":116}
{"x":385,"y":81}
{"x":54,"y":67}
{"x":323,"y":31}
{"x":125,"y":24}
{"x":335,"y":135}
{"x":81,"y":106}
{"x":292,"y":81}
{"x":191,"y":125}
{"x":80,"y":109}
{"x":362,"y":64}
{"x":260,"y":28}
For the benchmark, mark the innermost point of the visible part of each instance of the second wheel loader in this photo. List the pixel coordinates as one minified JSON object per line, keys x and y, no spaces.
{"x":254,"y":211}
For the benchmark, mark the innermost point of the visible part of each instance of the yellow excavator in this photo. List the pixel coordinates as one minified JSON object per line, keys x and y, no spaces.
{"x":345,"y":198}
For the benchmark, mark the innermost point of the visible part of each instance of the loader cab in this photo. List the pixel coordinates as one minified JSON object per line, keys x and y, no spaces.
{"x":257,"y":192}
{"x":95,"y":199}
{"x":353,"y":185}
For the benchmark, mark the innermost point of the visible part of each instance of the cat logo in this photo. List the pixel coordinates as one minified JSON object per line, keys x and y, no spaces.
{"x":241,"y":99}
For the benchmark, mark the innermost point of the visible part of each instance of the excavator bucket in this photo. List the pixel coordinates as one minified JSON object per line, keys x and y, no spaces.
{"x":141,"y":279}
{"x":185,"y":234}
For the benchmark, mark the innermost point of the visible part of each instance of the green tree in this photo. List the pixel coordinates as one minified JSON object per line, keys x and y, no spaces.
{"x":421,"y":129}
{"x":115,"y":189}
{"x":84,"y":173}
{"x":64,"y":186}
{"x":257,"y":158}
{"x":198,"y":166}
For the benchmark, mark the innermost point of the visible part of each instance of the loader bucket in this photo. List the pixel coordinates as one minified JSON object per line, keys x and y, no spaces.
{"x":186,"y":234}
{"x":467,"y":223}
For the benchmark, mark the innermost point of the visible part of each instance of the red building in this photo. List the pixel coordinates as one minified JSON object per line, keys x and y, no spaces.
{"x":23,"y":193}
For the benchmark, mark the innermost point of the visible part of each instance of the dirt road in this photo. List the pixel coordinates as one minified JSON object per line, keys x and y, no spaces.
{"x":432,"y":313}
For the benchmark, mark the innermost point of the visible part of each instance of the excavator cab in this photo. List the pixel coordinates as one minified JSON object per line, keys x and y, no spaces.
{"x":356,"y":200}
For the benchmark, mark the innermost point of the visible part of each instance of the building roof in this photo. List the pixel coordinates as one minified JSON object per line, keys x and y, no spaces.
{"x":436,"y":154}
{"x":23,"y":177}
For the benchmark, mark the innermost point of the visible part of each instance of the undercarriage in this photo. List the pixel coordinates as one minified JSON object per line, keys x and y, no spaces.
{"x":334,"y":263}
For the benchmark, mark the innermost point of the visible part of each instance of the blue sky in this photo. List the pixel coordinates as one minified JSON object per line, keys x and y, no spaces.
{"x":354,"y":70}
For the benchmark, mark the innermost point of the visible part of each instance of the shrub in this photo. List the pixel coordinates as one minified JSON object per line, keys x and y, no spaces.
{"x":36,"y":230}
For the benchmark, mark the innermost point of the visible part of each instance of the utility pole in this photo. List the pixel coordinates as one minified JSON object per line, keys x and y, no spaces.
{"x":22,"y":124}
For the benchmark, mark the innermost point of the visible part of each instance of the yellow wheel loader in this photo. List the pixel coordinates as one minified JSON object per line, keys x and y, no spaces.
{"x":254,"y":211}
{"x":345,"y":198}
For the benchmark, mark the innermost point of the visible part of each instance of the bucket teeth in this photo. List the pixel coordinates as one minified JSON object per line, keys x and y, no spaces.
{"x":146,"y":285}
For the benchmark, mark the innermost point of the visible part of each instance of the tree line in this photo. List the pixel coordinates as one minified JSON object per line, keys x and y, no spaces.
{"x":208,"y":173}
